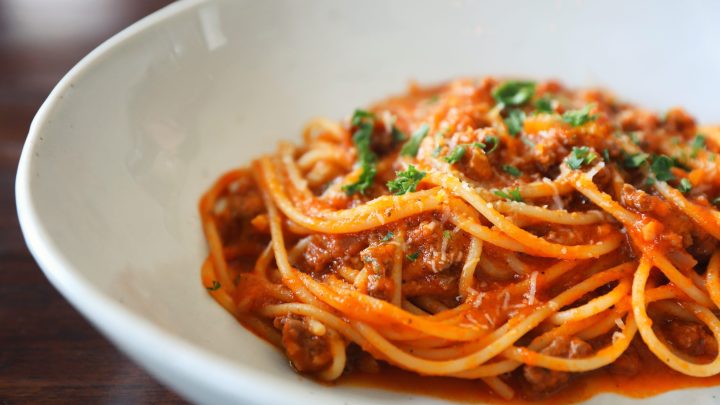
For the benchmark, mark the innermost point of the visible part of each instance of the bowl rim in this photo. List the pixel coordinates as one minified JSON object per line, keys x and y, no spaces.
{"x":190,"y":363}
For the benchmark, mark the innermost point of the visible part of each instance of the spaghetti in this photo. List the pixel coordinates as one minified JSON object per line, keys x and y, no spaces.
{"x":514,"y":232}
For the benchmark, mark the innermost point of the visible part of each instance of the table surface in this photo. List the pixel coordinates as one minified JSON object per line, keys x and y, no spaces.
{"x":48,"y":352}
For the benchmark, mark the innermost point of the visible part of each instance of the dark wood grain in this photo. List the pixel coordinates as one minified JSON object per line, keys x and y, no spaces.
{"x":48,"y":352}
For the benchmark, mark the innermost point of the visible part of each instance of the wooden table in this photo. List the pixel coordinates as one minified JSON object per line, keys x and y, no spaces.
{"x":48,"y":352}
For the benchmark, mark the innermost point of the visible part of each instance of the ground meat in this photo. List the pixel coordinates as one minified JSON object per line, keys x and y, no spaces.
{"x":690,"y":337}
{"x":241,"y":207}
{"x":323,"y":250}
{"x":685,"y":235}
{"x":307,"y":352}
{"x":636,"y":119}
{"x":432,"y":249}
{"x":378,"y":263}
{"x":543,"y":381}
{"x":679,"y":121}
{"x":432,"y":284}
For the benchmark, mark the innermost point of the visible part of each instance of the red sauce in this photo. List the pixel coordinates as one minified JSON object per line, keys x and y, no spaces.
{"x":653,"y":380}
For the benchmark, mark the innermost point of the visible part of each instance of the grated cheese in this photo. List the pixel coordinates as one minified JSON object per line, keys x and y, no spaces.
{"x":533,"y":288}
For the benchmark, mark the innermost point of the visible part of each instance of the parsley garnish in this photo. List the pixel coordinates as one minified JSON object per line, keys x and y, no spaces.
{"x":635,"y":160}
{"x":606,"y":155}
{"x":361,"y":117}
{"x":397,"y":135}
{"x":661,"y":168}
{"x":455,"y":155}
{"x":433,"y":99}
{"x":685,"y":185}
{"x":214,"y":287}
{"x":511,"y":170}
{"x":447,"y":234}
{"x":387,"y":236}
{"x":413,"y":257}
{"x":697,"y":144}
{"x":716,"y":200}
{"x":365,"y":122}
{"x":495,"y":142}
{"x":514,"y":121}
{"x":413,"y":144}
{"x":580,"y":156}
{"x":514,"y":92}
{"x":406,"y":181}
{"x":577,"y":118}
{"x":512,"y":195}
{"x":544,"y":105}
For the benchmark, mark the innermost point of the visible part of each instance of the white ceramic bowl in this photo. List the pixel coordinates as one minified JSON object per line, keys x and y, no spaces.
{"x":122,"y":149}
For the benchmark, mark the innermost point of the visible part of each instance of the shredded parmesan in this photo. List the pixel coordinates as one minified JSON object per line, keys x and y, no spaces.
{"x":556,"y":193}
{"x":617,"y":336}
{"x":506,"y":300}
{"x":533,"y":288}
{"x":620,"y":324}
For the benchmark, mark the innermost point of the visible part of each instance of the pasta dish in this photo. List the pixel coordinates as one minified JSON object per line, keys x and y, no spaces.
{"x":518,"y":234}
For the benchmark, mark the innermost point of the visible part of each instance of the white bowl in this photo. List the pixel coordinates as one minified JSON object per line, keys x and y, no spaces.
{"x":122,"y":149}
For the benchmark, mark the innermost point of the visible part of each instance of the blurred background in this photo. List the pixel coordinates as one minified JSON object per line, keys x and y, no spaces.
{"x":48,"y":352}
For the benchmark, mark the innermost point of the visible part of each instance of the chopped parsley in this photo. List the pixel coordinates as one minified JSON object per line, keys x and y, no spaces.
{"x":397,"y":135}
{"x":697,"y":144}
{"x":214,"y":287}
{"x":661,"y":166}
{"x":511,"y":170}
{"x":606,"y":155}
{"x":387,"y":236}
{"x":577,"y":118}
{"x":512,"y":195}
{"x":413,"y":144}
{"x":456,"y":155}
{"x":514,"y":121}
{"x":544,"y":105}
{"x":685,"y":185}
{"x":495,"y":142}
{"x":365,"y":122}
{"x":514,"y":93}
{"x":406,"y":181}
{"x":362,"y":117}
{"x":447,"y":234}
{"x":635,"y":160}
{"x":412,"y":257}
{"x":716,"y":200}
{"x":580,"y":156}
{"x":433,"y":99}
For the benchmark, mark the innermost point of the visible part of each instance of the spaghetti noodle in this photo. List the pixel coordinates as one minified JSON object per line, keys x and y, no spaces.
{"x":514,"y":232}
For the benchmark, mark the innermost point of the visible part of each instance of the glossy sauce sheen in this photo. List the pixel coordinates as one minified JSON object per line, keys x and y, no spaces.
{"x":652,"y":381}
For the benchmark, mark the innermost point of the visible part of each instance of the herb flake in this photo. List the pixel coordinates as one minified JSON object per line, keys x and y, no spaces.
{"x":661,"y":166}
{"x":511,"y":170}
{"x":456,"y":155}
{"x":581,"y":117}
{"x":365,"y":123}
{"x":406,"y":181}
{"x":215,"y":286}
{"x":511,"y":195}
{"x":514,"y":121}
{"x":685,"y":186}
{"x":514,"y":92}
{"x":412,"y":146}
{"x":580,"y":157}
